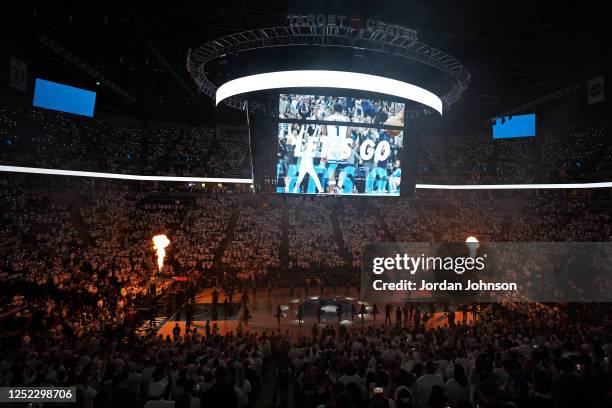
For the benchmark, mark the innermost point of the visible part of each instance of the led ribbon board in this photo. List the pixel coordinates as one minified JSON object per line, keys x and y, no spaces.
{"x":328,"y":79}
{"x":119,"y":176}
{"x":58,"y":172}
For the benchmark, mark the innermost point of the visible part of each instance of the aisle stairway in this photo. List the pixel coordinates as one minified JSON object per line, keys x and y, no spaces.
{"x":229,"y":235}
{"x":344,"y":253}
{"x":283,"y":250}
{"x":267,"y":390}
{"x":79,"y":226}
{"x":378,"y":214}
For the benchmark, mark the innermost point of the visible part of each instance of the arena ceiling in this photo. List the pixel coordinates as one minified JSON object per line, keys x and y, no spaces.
{"x":514,"y":52}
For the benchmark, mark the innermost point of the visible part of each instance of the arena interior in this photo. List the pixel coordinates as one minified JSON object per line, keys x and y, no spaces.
{"x":195,"y":196}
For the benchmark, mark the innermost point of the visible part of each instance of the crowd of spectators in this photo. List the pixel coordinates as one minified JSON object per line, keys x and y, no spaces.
{"x":50,"y":139}
{"x":191,"y":370}
{"x":516,"y":161}
{"x":201,"y":231}
{"x":555,"y":155}
{"x":356,"y":110}
{"x":360,"y":225}
{"x":255,"y":243}
{"x":311,"y":238}
{"x":525,"y":355}
{"x":41,"y":138}
{"x":76,"y":256}
{"x":53,"y":235}
{"x":90,"y":251}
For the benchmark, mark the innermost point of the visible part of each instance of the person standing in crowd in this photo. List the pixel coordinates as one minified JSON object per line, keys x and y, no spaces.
{"x":426,"y":317}
{"x":215,"y":298}
{"x":417,"y":319}
{"x":188,"y":316}
{"x":300,"y":314}
{"x":279,"y":314}
{"x":464,"y":313}
{"x":398,"y":317}
{"x":451,"y":318}
{"x":457,"y":388}
{"x":427,"y":382}
{"x":489,"y":396}
{"x":242,"y":386}
{"x":405,"y":313}
{"x":314,"y":331}
{"x":222,"y":393}
{"x":374,"y":311}
{"x":245,"y":296}
{"x":226,"y":308}
{"x":474,"y":311}
{"x":246,"y":316}
{"x":362,"y":312}
{"x":176,"y":331}
{"x":388,"y":308}
{"x":281,"y":386}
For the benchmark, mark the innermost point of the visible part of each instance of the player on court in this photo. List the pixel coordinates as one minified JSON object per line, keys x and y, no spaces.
{"x":336,"y":141}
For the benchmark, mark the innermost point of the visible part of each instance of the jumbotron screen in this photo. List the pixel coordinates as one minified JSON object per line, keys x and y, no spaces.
{"x":323,"y":158}
{"x":333,"y":108}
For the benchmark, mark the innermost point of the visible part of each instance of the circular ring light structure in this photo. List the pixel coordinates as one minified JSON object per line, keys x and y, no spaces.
{"x":326,"y":36}
{"x":328,"y":79}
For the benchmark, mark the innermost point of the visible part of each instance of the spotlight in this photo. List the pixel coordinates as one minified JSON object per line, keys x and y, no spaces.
{"x":473,"y":245}
{"x":329,"y":309}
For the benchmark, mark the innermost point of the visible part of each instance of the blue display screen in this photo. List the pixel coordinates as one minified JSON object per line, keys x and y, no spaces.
{"x":518,"y":126}
{"x":64,"y":98}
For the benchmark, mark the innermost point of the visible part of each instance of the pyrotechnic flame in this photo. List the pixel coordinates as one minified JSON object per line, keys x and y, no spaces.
{"x":160,"y":242}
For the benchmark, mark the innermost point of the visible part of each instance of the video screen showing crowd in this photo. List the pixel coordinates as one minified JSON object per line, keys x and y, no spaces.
{"x":355,"y":110}
{"x":330,"y":157}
